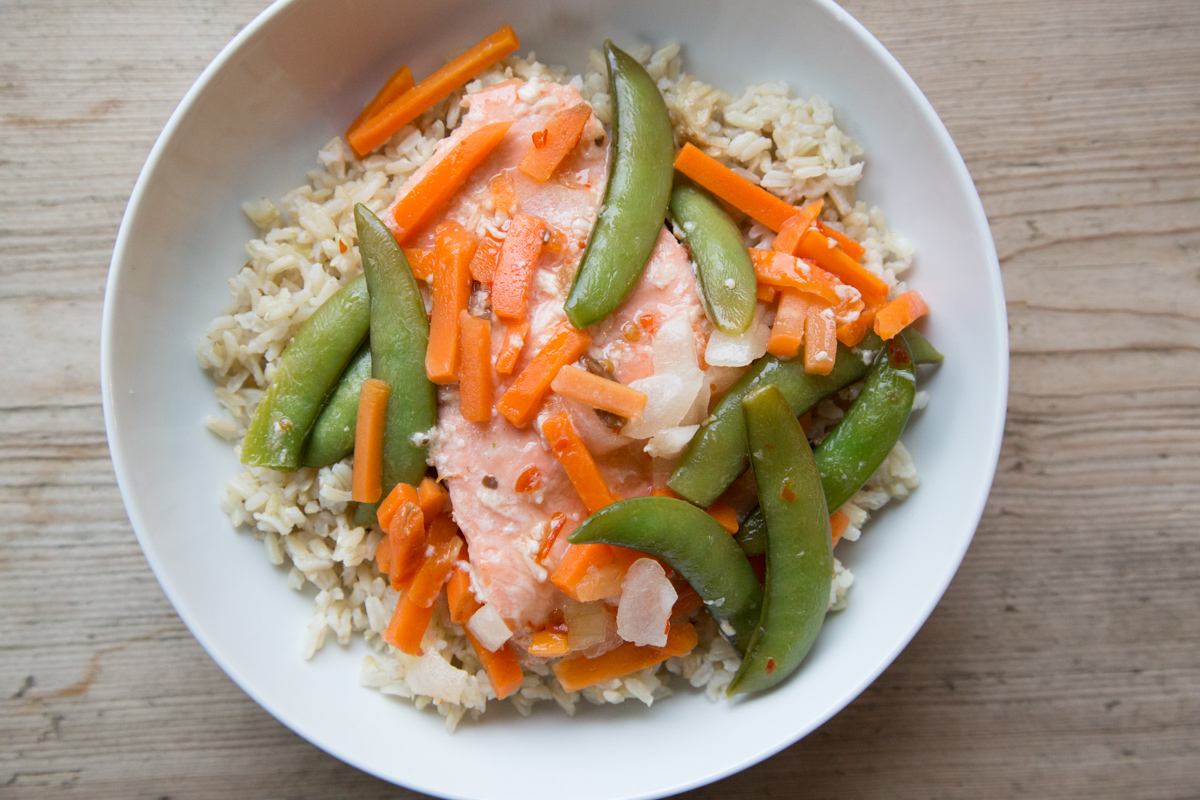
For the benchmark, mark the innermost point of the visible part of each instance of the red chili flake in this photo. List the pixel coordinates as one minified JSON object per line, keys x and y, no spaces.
{"x":556,"y":525}
{"x":787,"y":494}
{"x":770,"y":665}
{"x":539,"y":139}
{"x":529,"y":480}
{"x":648,"y":322}
{"x":632,"y":332}
{"x":341,"y":245}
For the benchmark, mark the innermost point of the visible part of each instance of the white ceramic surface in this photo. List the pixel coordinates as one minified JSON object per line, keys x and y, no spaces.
{"x":251,"y":126}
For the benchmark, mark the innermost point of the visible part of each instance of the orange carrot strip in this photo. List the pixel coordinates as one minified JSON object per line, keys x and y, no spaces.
{"x":576,"y":562}
{"x":366,"y":483}
{"x":826,"y":255}
{"x":820,"y":341}
{"x":597,"y":392}
{"x":399,"y":83}
{"x":556,"y":141}
{"x":407,"y":532}
{"x":510,"y":351}
{"x":504,"y":194}
{"x":789,"y":272}
{"x":516,"y":266}
{"x":421,"y":260}
{"x":733,"y":188}
{"x":787,"y":333}
{"x":431,"y":497}
{"x":435,"y":571}
{"x":571,"y":452}
{"x":459,"y":596}
{"x":838,"y":522}
{"x":520,"y":402}
{"x":663,"y":491}
{"x":724,"y":515}
{"x":401,"y":493}
{"x":767,"y":293}
{"x":475,"y":369}
{"x":451,"y":292}
{"x":503,"y":669}
{"x":688,"y":601}
{"x":383,"y":555}
{"x":483,"y":265}
{"x":852,"y":248}
{"x":407,"y":626}
{"x":439,"y":184}
{"x":577,"y":672}
{"x":605,"y":581}
{"x":851,"y":333}
{"x":899,"y":314}
{"x":806,"y":420}
{"x":377,"y":129}
{"x":794,"y":229}
{"x":549,"y":643}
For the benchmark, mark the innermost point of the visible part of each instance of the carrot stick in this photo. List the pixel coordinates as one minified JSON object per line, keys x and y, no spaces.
{"x":577,"y":561}
{"x":795,"y":228}
{"x":504,"y":194}
{"x":549,"y":643}
{"x":378,"y":128}
{"x":724,"y":515}
{"x":820,"y":341}
{"x":407,"y":533}
{"x":421,"y":260}
{"x":451,"y":292}
{"x":787,"y":333}
{"x":401,"y":493}
{"x":520,"y":402}
{"x":726,"y":184}
{"x":555,"y":142}
{"x":475,"y":369}
{"x":399,"y":83}
{"x":899,"y":314}
{"x":510,"y":351}
{"x":439,"y":184}
{"x":788,"y":272}
{"x":383,"y":556}
{"x":851,"y":333}
{"x":597,"y":392}
{"x":838,"y":522}
{"x":436,"y":569}
{"x":571,"y":452}
{"x":852,"y":248}
{"x":826,"y":255}
{"x":664,"y":491}
{"x":767,"y":293}
{"x":431,"y":497}
{"x":483,"y":265}
{"x":503,"y":669}
{"x":459,"y":596}
{"x":366,"y":483}
{"x":577,"y":672}
{"x":516,"y":266}
{"x":407,"y":626}
{"x":689,"y":600}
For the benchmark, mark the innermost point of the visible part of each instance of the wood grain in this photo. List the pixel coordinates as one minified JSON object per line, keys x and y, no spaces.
{"x":1064,"y":660}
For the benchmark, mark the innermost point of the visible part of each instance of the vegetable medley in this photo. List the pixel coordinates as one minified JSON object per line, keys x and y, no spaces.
{"x":549,"y":347}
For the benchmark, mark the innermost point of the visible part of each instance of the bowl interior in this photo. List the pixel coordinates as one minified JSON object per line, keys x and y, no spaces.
{"x":251,"y":127}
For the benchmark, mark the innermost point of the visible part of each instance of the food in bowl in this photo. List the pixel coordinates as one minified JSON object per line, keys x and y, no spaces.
{"x":498,"y":370}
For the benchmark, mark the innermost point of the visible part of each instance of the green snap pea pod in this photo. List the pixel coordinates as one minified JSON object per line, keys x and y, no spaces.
{"x":723,"y":264}
{"x":717,"y":454}
{"x":922,"y":351}
{"x":799,"y":543}
{"x":308,"y":370}
{"x":332,"y":436}
{"x":399,"y":338}
{"x":856,"y":447}
{"x":694,"y":545}
{"x":635,"y":199}
{"x":752,"y":534}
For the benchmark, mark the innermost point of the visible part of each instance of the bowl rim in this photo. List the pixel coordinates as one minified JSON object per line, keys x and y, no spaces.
{"x":997,"y":412}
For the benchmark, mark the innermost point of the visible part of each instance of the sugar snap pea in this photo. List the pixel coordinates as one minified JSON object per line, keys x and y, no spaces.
{"x":332,"y":436}
{"x":922,"y":351}
{"x":799,"y":543}
{"x":694,"y":545}
{"x":752,"y":534}
{"x":723,"y":266}
{"x":858,"y":444}
{"x":399,"y":338}
{"x":635,"y":199}
{"x":307,"y":372}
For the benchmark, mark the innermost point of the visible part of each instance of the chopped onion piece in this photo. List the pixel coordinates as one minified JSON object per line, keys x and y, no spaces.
{"x":739,"y":351}
{"x":587,"y":624}
{"x":434,"y":677}
{"x":647,"y":596}
{"x":675,"y":347}
{"x":489,"y":627}
{"x":671,"y":441}
{"x":669,"y":398}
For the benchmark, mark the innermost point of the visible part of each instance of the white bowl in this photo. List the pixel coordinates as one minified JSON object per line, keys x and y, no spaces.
{"x":251,"y":127}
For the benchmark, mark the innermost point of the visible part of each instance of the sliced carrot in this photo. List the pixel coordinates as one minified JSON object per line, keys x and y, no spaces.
{"x":688,"y":600}
{"x":806,"y":421}
{"x":899,"y":314}
{"x":579,"y":384}
{"x":459,"y":596}
{"x":520,"y":402}
{"x":555,"y":142}
{"x":510,"y":351}
{"x":838,"y":522}
{"x":851,"y":333}
{"x":663,"y":491}
{"x":726,"y":184}
{"x":451,"y":293}
{"x":407,"y":532}
{"x":378,"y":128}
{"x":828,"y":256}
{"x":767,"y":293}
{"x":794,"y":229}
{"x":475,"y":369}
{"x":820,"y":341}
{"x":852,"y":248}
{"x":399,"y":83}
{"x":483,"y":265}
{"x":383,"y":555}
{"x":577,"y":672}
{"x":432,"y":497}
{"x":436,"y":569}
{"x":788,"y":272}
{"x":407,"y":626}
{"x":549,"y":643}
{"x":400,"y":493}
{"x":504,"y":194}
{"x":367,"y":478}
{"x":581,"y":468}
{"x":724,"y":515}
{"x":576,"y":562}
{"x":787,"y":333}
{"x":516,"y":266}
{"x":605,"y":581}
{"x":421,"y":260}
{"x":440,"y":183}
{"x":503,"y":669}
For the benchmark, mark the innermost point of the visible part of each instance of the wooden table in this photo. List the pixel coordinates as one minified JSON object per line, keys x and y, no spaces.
{"x":1064,"y":660}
